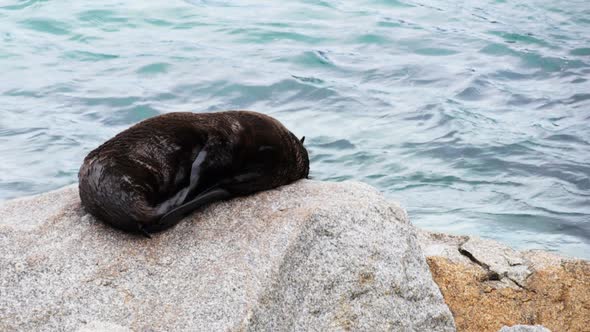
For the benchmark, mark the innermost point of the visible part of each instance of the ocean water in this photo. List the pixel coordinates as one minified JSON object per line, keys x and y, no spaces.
{"x":475,"y":115}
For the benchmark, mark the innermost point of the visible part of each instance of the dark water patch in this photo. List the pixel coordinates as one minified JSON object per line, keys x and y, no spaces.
{"x":315,"y":157}
{"x":130,"y":115}
{"x":367,"y":157}
{"x":572,"y":100}
{"x":523,"y":100}
{"x":158,"y":22}
{"x":310,"y":59}
{"x":453,"y":152}
{"x":206,"y":88}
{"x":395,"y":4}
{"x":576,"y":98}
{"x":99,"y":17}
{"x":447,"y":180}
{"x":24,"y":185}
{"x":573,"y":174}
{"x":84,"y":39}
{"x":512,"y":75}
{"x":59,"y":88}
{"x":545,"y":224}
{"x":214,"y":3}
{"x":388,"y":75}
{"x":154,"y":68}
{"x":565,"y":138}
{"x":282,"y":91}
{"x":308,"y":79}
{"x":165,"y":96}
{"x":548,"y":63}
{"x":22,"y":93}
{"x":275,"y":24}
{"x":527,"y":38}
{"x":389,"y":23}
{"x":320,"y":3}
{"x":372,"y":39}
{"x":190,"y":25}
{"x":259,"y":36}
{"x":86,"y":56}
{"x":430,"y":7}
{"x":434,"y":51}
{"x":531,"y":59}
{"x":110,"y":101}
{"x":581,"y":51}
{"x":376,"y":176}
{"x":5,"y":55}
{"x":19,"y":131}
{"x":473,"y":93}
{"x":48,"y":26}
{"x":23,"y":4}
{"x":340,"y":144}
{"x":497,"y":49}
{"x":7,"y":36}
{"x":419,"y":117}
{"x":339,"y":178}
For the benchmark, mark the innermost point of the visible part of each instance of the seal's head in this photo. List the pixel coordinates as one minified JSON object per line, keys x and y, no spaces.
{"x":301,"y":157}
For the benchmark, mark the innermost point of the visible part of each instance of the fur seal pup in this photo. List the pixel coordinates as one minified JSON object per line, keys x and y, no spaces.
{"x":148,"y":177}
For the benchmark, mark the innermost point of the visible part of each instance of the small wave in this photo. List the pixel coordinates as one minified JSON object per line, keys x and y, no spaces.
{"x":474,"y":116}
{"x":49,"y":26}
{"x":154,"y":68}
{"x":340,"y":144}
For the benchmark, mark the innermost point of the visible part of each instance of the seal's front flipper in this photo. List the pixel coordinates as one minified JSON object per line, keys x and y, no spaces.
{"x":175,"y":215}
{"x":246,"y":183}
{"x":180,"y":197}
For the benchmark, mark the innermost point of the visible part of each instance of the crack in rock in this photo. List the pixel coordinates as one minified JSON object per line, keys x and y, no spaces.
{"x":500,"y":262}
{"x":490,"y":274}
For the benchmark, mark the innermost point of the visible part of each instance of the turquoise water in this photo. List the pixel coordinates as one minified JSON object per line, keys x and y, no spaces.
{"x":475,"y":115}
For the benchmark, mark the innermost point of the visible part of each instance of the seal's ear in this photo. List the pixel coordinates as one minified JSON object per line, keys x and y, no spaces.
{"x":302,"y":139}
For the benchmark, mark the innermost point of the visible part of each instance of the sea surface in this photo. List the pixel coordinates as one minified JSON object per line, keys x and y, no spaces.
{"x":474,"y":115}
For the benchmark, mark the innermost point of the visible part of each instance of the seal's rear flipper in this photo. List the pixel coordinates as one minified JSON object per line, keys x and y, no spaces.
{"x":173,"y":216}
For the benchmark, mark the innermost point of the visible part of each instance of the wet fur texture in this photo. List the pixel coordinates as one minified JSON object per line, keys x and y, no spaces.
{"x":146,"y":178}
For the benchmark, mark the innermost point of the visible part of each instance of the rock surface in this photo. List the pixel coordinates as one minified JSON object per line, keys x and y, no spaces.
{"x":524,"y":328}
{"x":309,"y":256}
{"x":488,"y":285}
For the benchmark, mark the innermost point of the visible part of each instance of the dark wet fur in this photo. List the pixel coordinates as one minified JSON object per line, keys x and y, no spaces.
{"x":131,"y":180}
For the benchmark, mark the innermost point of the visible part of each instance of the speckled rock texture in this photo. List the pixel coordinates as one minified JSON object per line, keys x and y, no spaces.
{"x":488,"y":285}
{"x":524,"y":328}
{"x":311,"y":256}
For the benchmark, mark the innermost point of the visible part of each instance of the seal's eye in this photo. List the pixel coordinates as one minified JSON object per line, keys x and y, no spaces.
{"x":302,"y":139}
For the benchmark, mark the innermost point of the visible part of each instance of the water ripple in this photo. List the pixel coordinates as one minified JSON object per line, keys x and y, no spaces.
{"x":473,"y":115}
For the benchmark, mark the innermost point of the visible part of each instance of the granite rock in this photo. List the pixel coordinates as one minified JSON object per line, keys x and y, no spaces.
{"x":308,"y":256}
{"x":500,"y":260}
{"x":488,"y":285}
{"x":524,"y":328}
